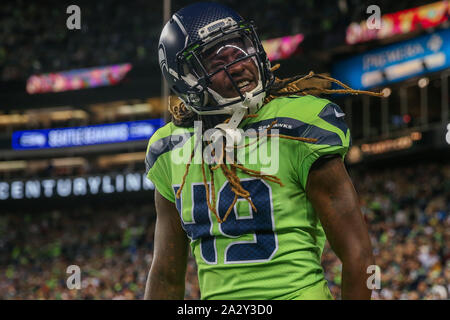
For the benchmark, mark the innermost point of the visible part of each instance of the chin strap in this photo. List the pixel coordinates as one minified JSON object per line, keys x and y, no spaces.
{"x":229,"y":130}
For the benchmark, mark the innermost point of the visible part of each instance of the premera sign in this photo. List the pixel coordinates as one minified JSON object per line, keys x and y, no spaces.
{"x":396,"y":62}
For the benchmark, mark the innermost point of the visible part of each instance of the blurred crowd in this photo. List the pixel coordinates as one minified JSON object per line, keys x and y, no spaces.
{"x":408,"y":214}
{"x":34,"y":38}
{"x":113,"y":249}
{"x":407,"y":211}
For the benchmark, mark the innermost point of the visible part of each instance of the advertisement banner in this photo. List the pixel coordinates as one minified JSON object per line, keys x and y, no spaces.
{"x":77,"y":79}
{"x":282,"y":48}
{"x":74,"y":186}
{"x":396,"y":62}
{"x":405,"y":21}
{"x":85,"y":136}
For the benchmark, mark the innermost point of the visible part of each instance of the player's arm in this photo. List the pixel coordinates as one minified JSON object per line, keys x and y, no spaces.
{"x":332,"y":195}
{"x":166,"y":279}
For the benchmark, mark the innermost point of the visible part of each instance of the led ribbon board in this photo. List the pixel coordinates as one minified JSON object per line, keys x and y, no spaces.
{"x":77,"y":79}
{"x":405,"y":21}
{"x":85,"y":136}
{"x":74,"y":186}
{"x":282,"y":48}
{"x":396,"y":62}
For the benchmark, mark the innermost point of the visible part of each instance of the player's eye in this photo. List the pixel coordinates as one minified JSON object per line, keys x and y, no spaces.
{"x":215,"y":65}
{"x":239,"y":54}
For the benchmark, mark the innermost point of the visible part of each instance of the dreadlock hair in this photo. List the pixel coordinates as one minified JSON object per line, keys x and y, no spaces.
{"x":310,"y":84}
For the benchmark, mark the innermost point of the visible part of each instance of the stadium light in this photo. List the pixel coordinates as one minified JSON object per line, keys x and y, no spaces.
{"x":447,"y":136}
{"x":423,"y":82}
{"x":406,"y":118}
{"x":386,"y":92}
{"x":354,"y":155}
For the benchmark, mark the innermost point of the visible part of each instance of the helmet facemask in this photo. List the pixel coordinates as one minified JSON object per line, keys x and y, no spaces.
{"x":219,"y":57}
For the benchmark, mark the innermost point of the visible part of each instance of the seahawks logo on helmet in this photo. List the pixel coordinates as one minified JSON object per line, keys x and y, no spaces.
{"x":162,"y":57}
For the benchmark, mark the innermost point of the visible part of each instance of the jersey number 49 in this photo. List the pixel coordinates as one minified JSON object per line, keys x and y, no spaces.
{"x":258,"y":224}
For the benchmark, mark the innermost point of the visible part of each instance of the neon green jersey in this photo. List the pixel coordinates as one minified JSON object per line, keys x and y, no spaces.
{"x":272,"y":253}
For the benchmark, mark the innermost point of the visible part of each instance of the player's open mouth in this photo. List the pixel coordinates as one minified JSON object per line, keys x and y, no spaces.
{"x":246,"y":85}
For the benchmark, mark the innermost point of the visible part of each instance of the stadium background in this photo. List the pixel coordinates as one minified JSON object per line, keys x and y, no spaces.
{"x":66,"y":202}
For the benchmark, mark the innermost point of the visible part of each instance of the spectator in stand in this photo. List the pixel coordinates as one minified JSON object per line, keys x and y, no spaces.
{"x":408,"y":212}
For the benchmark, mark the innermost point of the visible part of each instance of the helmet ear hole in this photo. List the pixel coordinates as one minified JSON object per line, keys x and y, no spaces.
{"x":198,"y":99}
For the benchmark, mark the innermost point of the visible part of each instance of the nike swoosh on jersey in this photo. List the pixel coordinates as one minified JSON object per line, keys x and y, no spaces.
{"x":338,"y":114}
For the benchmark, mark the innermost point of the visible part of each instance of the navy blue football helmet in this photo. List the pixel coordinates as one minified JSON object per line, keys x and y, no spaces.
{"x":184,"y":44}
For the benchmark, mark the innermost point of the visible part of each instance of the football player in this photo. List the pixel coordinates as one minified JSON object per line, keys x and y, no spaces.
{"x":254,"y":235}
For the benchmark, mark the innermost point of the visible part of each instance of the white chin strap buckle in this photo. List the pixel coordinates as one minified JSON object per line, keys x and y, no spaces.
{"x":247,"y":99}
{"x":229,"y":130}
{"x":233,"y":137}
